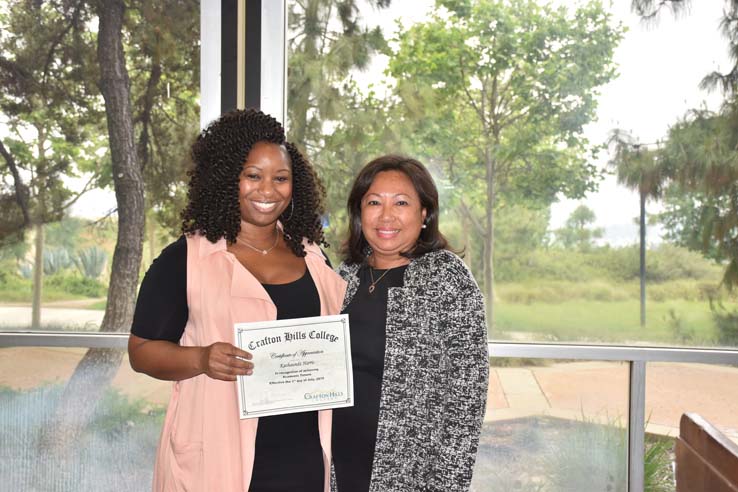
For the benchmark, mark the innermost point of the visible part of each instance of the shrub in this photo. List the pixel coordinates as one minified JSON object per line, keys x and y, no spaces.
{"x":657,"y":459}
{"x":56,"y":260}
{"x":680,"y":333}
{"x":726,"y":322}
{"x":25,"y":270}
{"x":557,"y":292}
{"x":669,"y":262}
{"x":75,"y":284}
{"x":91,"y":261}
{"x":688,"y":290}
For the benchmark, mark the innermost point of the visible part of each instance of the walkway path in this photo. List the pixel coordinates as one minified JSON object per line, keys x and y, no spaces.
{"x":573,"y":390}
{"x":598,"y":391}
{"x":52,"y":318}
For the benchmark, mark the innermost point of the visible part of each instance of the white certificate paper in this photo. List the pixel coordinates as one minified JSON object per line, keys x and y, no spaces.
{"x":300,"y":365}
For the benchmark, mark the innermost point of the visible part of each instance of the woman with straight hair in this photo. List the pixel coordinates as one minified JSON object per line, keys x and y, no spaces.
{"x":418,"y":341}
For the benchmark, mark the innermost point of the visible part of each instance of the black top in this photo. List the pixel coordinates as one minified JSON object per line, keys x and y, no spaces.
{"x":355,"y":428}
{"x":161,"y":309}
{"x":288,"y":454}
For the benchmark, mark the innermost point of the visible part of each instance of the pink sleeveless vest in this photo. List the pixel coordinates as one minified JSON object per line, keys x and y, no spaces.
{"x":204,"y":445}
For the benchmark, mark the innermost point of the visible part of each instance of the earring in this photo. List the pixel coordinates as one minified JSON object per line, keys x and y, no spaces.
{"x":292,"y":211}
{"x":423,"y":226}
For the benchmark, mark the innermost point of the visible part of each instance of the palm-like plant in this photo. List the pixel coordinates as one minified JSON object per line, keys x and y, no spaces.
{"x":637,"y":167}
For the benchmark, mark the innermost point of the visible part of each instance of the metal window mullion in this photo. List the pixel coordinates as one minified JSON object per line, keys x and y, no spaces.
{"x":210,"y":61}
{"x":574,"y":351}
{"x":273,"y":93}
{"x":636,"y":426}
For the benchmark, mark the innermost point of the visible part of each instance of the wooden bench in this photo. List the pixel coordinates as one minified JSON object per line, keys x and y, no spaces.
{"x":706,"y":460}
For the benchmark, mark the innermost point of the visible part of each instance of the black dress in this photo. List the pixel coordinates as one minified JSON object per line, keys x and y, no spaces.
{"x":355,"y":428}
{"x":288,"y":455}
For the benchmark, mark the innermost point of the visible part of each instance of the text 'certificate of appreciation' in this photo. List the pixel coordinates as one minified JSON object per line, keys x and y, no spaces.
{"x":300,"y":365}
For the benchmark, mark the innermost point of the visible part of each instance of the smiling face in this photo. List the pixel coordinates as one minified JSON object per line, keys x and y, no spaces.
{"x":391,"y":218}
{"x":265,"y":184}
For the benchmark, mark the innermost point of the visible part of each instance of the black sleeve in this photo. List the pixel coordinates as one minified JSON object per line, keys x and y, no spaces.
{"x":161,"y":309}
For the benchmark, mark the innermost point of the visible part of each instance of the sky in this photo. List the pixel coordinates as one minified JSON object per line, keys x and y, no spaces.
{"x":660,"y":66}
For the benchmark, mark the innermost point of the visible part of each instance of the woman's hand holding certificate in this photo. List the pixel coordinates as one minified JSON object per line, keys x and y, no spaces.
{"x":224,"y":361}
{"x":301,"y":365}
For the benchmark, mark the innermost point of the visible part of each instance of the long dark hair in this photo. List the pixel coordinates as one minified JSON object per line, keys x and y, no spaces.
{"x":212,"y":197}
{"x":355,"y":248}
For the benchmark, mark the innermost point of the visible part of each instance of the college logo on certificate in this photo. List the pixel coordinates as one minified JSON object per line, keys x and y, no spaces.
{"x":300,"y":365}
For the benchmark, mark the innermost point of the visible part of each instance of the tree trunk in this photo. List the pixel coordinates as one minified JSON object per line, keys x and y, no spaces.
{"x":38,"y":254}
{"x":467,"y":246}
{"x":643,"y":258}
{"x":152,"y":238}
{"x":98,"y":366}
{"x":38,"y":276}
{"x":489,"y":241}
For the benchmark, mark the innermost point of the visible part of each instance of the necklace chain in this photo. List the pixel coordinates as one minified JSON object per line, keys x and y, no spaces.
{"x":259,"y":250}
{"x":375,"y":282}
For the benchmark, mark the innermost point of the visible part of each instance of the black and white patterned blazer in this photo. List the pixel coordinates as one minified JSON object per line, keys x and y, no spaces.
{"x":436,"y":369}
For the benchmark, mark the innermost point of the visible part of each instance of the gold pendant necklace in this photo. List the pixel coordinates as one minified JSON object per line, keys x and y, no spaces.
{"x":259,"y":250}
{"x":375,"y":282}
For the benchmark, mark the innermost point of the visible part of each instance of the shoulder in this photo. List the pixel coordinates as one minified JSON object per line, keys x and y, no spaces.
{"x":445,"y":268}
{"x":347,"y":270}
{"x":173,"y":255}
{"x":315,"y":251}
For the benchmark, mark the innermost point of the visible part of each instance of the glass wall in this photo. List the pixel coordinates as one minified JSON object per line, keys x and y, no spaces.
{"x":115,"y":451}
{"x":78,"y":419}
{"x":59,"y":221}
{"x":554,"y":425}
{"x":673,"y":389}
{"x":546,"y":126}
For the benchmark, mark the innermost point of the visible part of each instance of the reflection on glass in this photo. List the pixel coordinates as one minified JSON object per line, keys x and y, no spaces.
{"x":556,"y":157}
{"x":59,"y":220}
{"x":554,"y":426}
{"x":116,"y":449}
{"x":673,"y":389}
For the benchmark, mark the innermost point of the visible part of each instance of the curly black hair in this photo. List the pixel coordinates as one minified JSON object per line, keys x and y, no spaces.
{"x":218,"y":155}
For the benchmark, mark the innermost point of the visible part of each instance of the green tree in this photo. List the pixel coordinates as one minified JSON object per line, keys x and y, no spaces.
{"x":163,"y":52}
{"x":327,"y":42}
{"x":699,"y":158}
{"x":638,"y":168}
{"x":520,"y":231}
{"x":98,"y":366}
{"x":577,"y":231}
{"x":53,"y":128}
{"x":689,"y":219}
{"x":366,"y":131}
{"x":500,"y":92}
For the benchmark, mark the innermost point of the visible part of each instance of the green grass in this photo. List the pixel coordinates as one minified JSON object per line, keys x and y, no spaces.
{"x":14,"y":289}
{"x":596,"y":321}
{"x":99,"y":305}
{"x":21,"y":292}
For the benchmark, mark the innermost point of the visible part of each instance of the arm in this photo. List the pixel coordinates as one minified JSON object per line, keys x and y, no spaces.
{"x":159,"y":321}
{"x":468,"y":373}
{"x":166,"y":360}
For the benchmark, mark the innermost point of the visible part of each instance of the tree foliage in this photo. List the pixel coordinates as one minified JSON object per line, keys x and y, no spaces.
{"x":49,"y":107}
{"x":498,"y":93}
{"x":700,"y":159}
{"x":578,"y":232}
{"x":327,"y":41}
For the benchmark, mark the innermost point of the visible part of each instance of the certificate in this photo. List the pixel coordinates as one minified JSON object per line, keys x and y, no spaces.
{"x":300,"y":365}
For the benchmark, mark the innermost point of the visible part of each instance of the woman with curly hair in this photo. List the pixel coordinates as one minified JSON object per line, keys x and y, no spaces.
{"x":250,"y":252}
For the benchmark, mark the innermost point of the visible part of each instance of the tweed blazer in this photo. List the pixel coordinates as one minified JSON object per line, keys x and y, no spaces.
{"x":436,"y":370}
